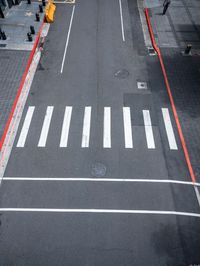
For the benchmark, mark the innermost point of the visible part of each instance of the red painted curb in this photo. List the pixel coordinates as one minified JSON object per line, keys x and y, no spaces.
{"x":157,"y":49}
{"x":20,"y":87}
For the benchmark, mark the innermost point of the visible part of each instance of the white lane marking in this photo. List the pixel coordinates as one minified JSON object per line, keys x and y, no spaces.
{"x":67,"y":40}
{"x":107,"y":128}
{"x":82,"y":179}
{"x":109,"y":211}
{"x":148,"y":129}
{"x":45,"y":127}
{"x":86,"y":127}
{"x":197,"y":193}
{"x":65,"y":126}
{"x":64,"y":2}
{"x":25,"y":127}
{"x":169,"y":129}
{"x":127,"y":127}
{"x":122,"y":21}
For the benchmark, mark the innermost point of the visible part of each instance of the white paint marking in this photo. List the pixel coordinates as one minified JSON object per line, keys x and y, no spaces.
{"x":82,"y":179}
{"x":67,"y":41}
{"x":64,"y":2}
{"x":148,"y":130}
{"x":122,"y":21}
{"x":127,"y":127}
{"x":25,"y":128}
{"x":45,"y":127}
{"x":109,"y":211}
{"x":197,"y":193}
{"x":107,"y":128}
{"x":169,"y":129}
{"x":65,"y":127}
{"x":86,"y":127}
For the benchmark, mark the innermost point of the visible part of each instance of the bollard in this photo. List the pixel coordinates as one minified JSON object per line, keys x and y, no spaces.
{"x":43,"y":3}
{"x":40,"y":8}
{"x":3,"y":35}
{"x":37,"y":16}
{"x":32,"y":29}
{"x":28,"y":2}
{"x":30,"y":39}
{"x":188,"y":49}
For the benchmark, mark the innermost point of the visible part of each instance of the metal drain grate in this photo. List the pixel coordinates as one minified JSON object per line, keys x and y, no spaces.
{"x":151,"y":51}
{"x":142,"y":85}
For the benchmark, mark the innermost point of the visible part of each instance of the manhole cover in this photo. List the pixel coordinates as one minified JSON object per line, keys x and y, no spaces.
{"x":122,"y":74}
{"x":98,"y":170}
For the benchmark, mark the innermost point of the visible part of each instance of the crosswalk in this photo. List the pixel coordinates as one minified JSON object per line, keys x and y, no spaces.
{"x":65,"y":127}
{"x":107,"y":134}
{"x":148,"y":129}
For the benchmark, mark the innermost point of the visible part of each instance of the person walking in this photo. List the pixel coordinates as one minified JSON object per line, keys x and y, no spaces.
{"x":165,"y":6}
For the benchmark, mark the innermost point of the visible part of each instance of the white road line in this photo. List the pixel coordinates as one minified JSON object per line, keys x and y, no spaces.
{"x":127,"y":127}
{"x":105,"y":211}
{"x":122,"y":21}
{"x":148,"y":129}
{"x":169,"y":129}
{"x":107,"y":128}
{"x":45,"y":127}
{"x":25,"y":128}
{"x":82,"y":179}
{"x":67,"y":40}
{"x":86,"y":127}
{"x":197,"y":193}
{"x":65,"y":127}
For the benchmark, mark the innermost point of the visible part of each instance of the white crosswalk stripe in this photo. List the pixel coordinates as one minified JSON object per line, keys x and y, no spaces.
{"x":169,"y":129}
{"x":127,"y":127}
{"x":148,"y":129}
{"x":66,"y":126}
{"x":85,"y":128}
{"x":107,"y":128}
{"x":45,"y":127}
{"x":25,"y":127}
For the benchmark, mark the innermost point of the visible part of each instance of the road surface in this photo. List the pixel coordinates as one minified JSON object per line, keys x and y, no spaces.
{"x":97,"y":174}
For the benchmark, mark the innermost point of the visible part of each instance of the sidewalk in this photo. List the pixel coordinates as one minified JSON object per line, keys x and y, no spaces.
{"x":17,"y":24}
{"x":181,"y":26}
{"x":14,"y":54}
{"x":184,"y":78}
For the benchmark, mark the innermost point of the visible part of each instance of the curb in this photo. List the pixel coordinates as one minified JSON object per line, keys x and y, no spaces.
{"x":157,"y":49}
{"x":20,"y":87}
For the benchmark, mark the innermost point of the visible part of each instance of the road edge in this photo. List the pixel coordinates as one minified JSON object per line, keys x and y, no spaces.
{"x":20,"y":87}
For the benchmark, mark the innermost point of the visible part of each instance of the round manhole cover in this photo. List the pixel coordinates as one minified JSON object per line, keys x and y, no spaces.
{"x":98,"y":170}
{"x":122,"y":73}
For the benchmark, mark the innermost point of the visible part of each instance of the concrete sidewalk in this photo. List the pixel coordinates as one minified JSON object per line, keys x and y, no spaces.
{"x":180,"y":26}
{"x":17,"y":24}
{"x":14,"y":54}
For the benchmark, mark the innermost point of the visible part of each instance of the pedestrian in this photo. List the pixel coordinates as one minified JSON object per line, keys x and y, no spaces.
{"x":165,"y":6}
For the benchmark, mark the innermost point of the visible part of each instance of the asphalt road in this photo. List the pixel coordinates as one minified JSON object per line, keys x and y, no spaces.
{"x":86,"y":134}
